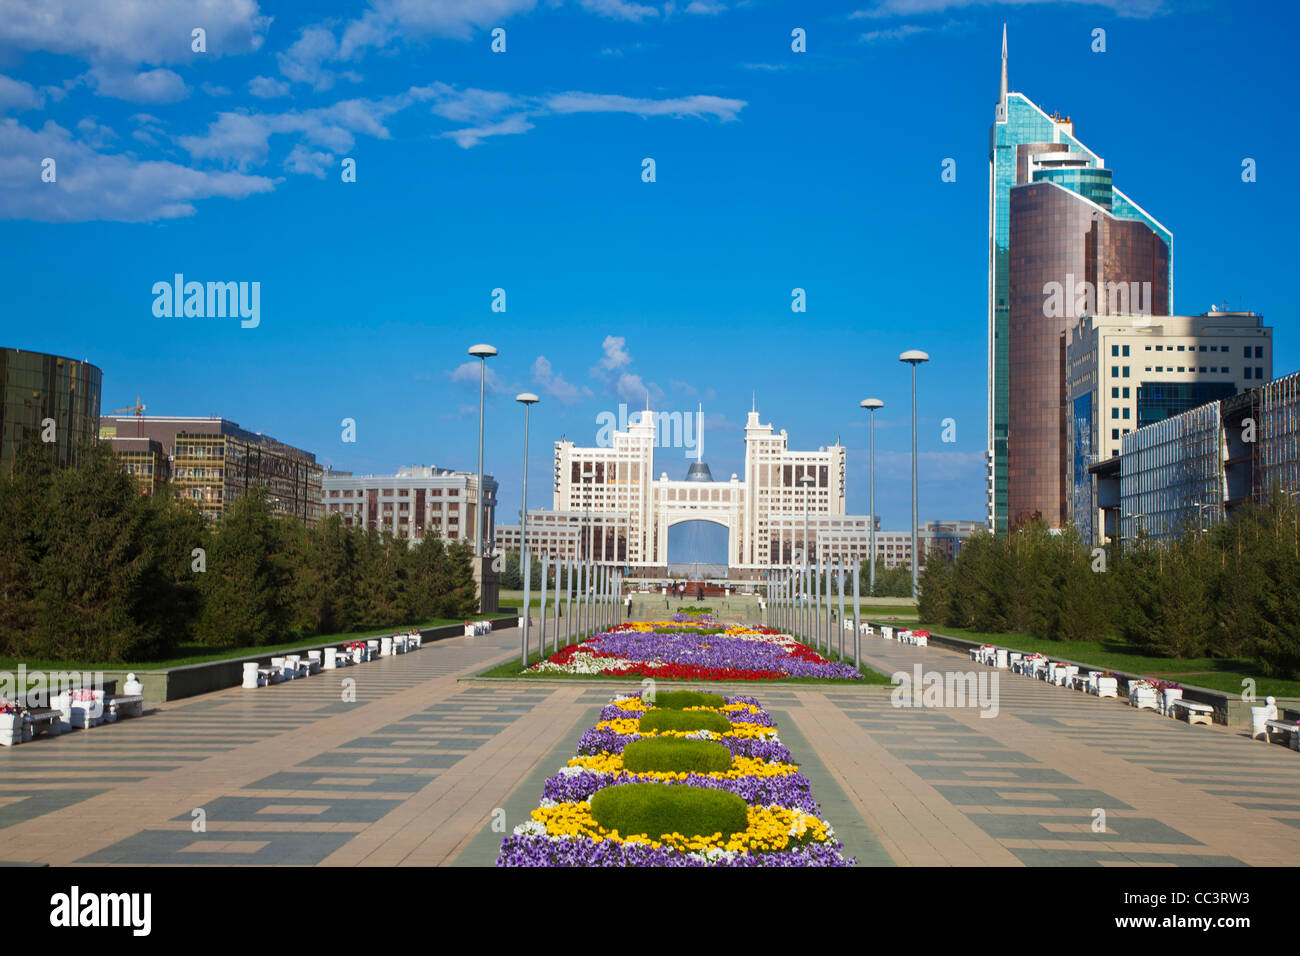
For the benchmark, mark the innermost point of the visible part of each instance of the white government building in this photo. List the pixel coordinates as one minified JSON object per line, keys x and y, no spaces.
{"x":609,"y":507}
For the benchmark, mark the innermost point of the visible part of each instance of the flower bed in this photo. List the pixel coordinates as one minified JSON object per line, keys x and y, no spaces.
{"x":673,"y":650}
{"x":782,"y":827}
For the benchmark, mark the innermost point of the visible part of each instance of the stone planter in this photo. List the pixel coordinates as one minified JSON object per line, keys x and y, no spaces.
{"x":251,"y":678}
{"x":331,"y":658}
{"x":11,"y":729}
{"x":1167,"y":697}
{"x":1143,"y":697}
{"x":385,"y":647}
{"x":279,"y":664}
{"x":80,"y":713}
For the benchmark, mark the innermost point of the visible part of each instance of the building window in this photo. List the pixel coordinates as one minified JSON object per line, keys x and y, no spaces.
{"x":1126,"y":351}
{"x":1126,"y":391}
{"x":1114,"y":413}
{"x":1247,"y":372}
{"x":1126,"y":412}
{"x":1114,"y":434}
{"x":1114,"y":392}
{"x":1245,"y":350}
{"x":1114,"y":351}
{"x":1114,"y":371}
{"x":1259,"y":351}
{"x":1259,"y":372}
{"x":1126,"y":371}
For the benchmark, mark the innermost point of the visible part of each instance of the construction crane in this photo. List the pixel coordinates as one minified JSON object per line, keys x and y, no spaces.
{"x":138,"y":409}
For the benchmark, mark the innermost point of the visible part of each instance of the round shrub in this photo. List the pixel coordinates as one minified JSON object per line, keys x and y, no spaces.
{"x":658,"y":809}
{"x":674,"y":755}
{"x":681,"y":699}
{"x":684,"y":720}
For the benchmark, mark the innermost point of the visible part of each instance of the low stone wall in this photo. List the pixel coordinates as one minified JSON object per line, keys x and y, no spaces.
{"x":175,"y":683}
{"x":1229,"y":709}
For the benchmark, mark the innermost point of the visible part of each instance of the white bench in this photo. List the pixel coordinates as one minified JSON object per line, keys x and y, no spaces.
{"x":1196,"y":713}
{"x":1288,"y":727}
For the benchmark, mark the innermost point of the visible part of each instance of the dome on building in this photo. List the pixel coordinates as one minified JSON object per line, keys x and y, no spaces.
{"x":699,"y":471}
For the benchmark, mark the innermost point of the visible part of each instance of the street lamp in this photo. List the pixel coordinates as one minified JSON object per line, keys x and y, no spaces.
{"x":806,"y":481}
{"x":482,"y":353}
{"x":913,"y":357}
{"x":527,"y":399}
{"x":871,"y":404}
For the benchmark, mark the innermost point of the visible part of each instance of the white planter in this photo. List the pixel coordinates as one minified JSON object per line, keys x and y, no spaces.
{"x":1108,"y":687}
{"x":1142,"y":697}
{"x":251,"y":678}
{"x":1168,"y":696}
{"x":80,"y":713}
{"x":331,"y":658}
{"x":358,"y":655}
{"x":11,"y":729}
{"x":386,"y":647}
{"x":279,"y":663}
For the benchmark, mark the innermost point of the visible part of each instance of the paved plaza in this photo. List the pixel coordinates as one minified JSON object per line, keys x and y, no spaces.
{"x":413,"y":771}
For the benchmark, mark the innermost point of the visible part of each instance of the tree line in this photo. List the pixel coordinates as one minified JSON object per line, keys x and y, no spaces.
{"x":1229,"y":591}
{"x":91,"y":570}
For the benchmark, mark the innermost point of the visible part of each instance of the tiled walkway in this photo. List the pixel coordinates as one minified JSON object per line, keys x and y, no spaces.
{"x":419,"y":767}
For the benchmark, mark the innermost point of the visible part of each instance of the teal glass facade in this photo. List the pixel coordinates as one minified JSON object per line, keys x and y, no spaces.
{"x":1019,"y":122}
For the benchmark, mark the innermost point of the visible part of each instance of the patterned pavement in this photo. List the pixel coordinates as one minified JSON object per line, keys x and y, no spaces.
{"x":423,"y":770}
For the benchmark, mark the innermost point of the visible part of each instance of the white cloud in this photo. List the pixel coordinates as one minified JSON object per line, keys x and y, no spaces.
{"x":723,"y":109}
{"x":98,"y":186}
{"x":472,"y":136}
{"x":470,"y":105}
{"x":212,"y":89}
{"x":93,"y":134}
{"x":389,"y":20}
{"x":267,"y":87}
{"x":130,"y":32}
{"x":16,"y":95}
{"x":894,"y":33}
{"x":907,"y":8}
{"x":705,"y":9}
{"x":468,"y":373}
{"x":304,"y":61}
{"x":619,"y":9}
{"x":159,"y":85}
{"x":554,"y":384}
{"x":308,"y":162}
{"x":616,"y":354}
{"x":243,"y":139}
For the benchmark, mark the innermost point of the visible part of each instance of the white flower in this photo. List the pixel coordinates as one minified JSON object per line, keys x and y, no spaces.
{"x":533,"y":827}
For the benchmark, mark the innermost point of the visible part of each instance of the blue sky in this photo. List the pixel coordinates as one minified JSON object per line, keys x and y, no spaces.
{"x":522,"y":171}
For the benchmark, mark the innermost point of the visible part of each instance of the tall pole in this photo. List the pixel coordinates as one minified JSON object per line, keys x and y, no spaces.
{"x":568,"y":604}
{"x":871,"y":404}
{"x":857,"y":616}
{"x":555,"y":630}
{"x":482,"y":353}
{"x":541,"y":617}
{"x":527,"y":399}
{"x":840,"y":571}
{"x":914,"y":357}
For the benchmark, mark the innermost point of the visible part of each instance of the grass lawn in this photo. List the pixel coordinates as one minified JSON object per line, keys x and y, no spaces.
{"x":1223,"y":674}
{"x":511,"y":668}
{"x":203,"y":654}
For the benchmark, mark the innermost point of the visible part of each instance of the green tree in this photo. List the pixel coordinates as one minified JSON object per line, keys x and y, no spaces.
{"x":244,"y":588}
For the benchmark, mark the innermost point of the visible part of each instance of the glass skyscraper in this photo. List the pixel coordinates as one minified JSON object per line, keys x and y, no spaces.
{"x":1026,"y":145}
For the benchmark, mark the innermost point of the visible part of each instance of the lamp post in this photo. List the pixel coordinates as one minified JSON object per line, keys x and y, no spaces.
{"x":806,"y":482}
{"x":482,"y":353}
{"x":913,"y":357}
{"x":871,"y":404}
{"x":528,"y":400}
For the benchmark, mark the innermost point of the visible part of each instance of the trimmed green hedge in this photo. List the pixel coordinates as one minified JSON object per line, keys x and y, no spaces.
{"x":684,"y":720}
{"x":681,"y":699}
{"x":674,"y":755}
{"x":658,"y":809}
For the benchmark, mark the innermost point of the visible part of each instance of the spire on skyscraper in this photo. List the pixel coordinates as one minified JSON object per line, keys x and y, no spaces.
{"x":1002,"y":86}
